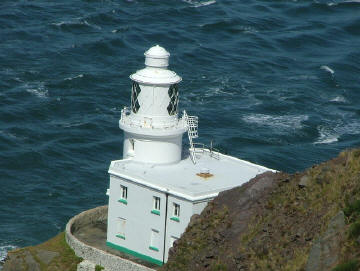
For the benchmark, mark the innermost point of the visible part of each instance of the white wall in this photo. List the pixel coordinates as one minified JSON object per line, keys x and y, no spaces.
{"x":153,"y":150}
{"x":139,"y":219}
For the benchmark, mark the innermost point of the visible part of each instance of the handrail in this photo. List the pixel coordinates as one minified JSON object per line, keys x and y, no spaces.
{"x":213,"y":152}
{"x":148,"y":123}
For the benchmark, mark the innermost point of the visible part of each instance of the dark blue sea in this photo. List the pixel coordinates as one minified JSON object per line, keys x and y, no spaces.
{"x":273,"y":82}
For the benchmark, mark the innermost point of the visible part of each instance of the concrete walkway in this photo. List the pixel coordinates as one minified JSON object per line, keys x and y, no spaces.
{"x":86,"y":234}
{"x":95,"y":235}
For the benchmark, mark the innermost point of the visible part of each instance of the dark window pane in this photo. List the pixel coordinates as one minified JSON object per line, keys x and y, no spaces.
{"x":174,"y":99}
{"x":134,"y":97}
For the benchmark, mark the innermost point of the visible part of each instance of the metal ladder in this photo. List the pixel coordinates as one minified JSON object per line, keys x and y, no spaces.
{"x":192,"y":123}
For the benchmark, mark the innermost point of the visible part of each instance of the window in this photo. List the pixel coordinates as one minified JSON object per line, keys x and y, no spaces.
{"x":154,"y":240}
{"x":176,"y":209}
{"x":156,"y":206}
{"x":120,"y":230}
{"x":174,"y":99}
{"x":123,"y":194}
{"x":176,"y":212}
{"x":134,"y":97}
{"x":132,"y":144}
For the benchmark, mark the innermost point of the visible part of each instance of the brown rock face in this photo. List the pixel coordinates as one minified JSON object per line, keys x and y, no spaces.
{"x":211,"y":237}
{"x":279,"y":221}
{"x":325,"y":252}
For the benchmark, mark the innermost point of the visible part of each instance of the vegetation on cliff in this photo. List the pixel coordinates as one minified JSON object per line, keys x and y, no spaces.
{"x":53,"y":255}
{"x":277,"y":221}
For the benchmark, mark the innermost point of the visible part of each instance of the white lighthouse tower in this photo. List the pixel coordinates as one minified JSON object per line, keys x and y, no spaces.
{"x":155,"y":189}
{"x":152,"y":130}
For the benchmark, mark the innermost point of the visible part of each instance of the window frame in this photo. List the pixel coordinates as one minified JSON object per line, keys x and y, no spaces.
{"x":156,"y":205}
{"x":154,"y":240}
{"x":123,"y":194}
{"x":120,"y":231}
{"x":176,"y":212}
{"x":135,"y":91}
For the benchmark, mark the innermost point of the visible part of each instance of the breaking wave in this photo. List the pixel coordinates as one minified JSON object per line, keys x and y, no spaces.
{"x":4,"y":251}
{"x":285,"y":122}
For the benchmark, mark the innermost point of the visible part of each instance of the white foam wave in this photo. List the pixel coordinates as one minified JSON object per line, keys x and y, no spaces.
{"x":338,"y":99}
{"x":4,"y":251}
{"x":326,"y":139}
{"x":326,"y":135}
{"x":332,"y":134}
{"x":216,"y":91}
{"x":327,"y":68}
{"x":76,"y":22}
{"x":285,"y":122}
{"x":36,"y":88}
{"x":39,"y":91}
{"x":60,"y":23}
{"x":197,"y":4}
{"x":74,"y":77}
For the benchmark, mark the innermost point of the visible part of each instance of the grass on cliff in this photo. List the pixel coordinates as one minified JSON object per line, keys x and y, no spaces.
{"x":65,"y":260}
{"x":301,"y":215}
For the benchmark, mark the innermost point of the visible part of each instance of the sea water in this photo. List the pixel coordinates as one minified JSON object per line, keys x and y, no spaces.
{"x":273,"y":82}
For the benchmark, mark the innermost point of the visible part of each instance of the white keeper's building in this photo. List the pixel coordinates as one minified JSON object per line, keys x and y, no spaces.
{"x":157,"y":187}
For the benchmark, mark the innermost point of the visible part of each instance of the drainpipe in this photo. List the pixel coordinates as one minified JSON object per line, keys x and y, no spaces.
{"x":165,"y":230}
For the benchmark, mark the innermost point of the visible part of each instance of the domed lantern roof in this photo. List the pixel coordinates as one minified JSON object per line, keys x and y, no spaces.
{"x":157,"y":56}
{"x":156,"y":72}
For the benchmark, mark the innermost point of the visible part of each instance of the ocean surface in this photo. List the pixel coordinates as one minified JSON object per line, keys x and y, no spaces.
{"x":273,"y":82}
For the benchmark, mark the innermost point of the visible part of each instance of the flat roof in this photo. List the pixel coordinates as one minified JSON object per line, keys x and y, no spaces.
{"x":181,"y":179}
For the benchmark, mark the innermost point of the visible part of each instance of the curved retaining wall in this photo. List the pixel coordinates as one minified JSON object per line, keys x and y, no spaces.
{"x":92,"y":254}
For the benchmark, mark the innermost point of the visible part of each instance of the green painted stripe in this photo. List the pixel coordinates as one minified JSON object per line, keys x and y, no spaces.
{"x":156,"y":212}
{"x":153,"y":248}
{"x":134,"y":253}
{"x":175,"y":218}
{"x":120,"y":236}
{"x":123,"y":201}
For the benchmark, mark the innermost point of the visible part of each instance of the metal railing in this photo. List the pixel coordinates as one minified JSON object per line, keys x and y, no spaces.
{"x":202,"y":148}
{"x":148,"y":122}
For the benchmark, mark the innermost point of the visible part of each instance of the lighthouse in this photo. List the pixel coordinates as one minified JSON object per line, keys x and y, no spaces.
{"x":156,"y":187}
{"x":152,"y":130}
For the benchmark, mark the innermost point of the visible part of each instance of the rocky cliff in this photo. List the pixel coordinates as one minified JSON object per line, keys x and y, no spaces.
{"x":278,"y":221}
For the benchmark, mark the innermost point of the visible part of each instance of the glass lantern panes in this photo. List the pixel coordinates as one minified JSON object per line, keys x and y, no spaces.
{"x":134,"y":97}
{"x":174,"y":99}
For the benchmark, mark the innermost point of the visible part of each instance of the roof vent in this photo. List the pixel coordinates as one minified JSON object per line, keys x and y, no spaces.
{"x":204,"y":173}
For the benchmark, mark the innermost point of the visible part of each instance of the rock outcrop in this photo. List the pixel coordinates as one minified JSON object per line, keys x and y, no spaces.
{"x":53,"y":255}
{"x":277,"y":221}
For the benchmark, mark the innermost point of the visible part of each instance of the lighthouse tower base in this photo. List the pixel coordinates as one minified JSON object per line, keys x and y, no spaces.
{"x":151,"y":149}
